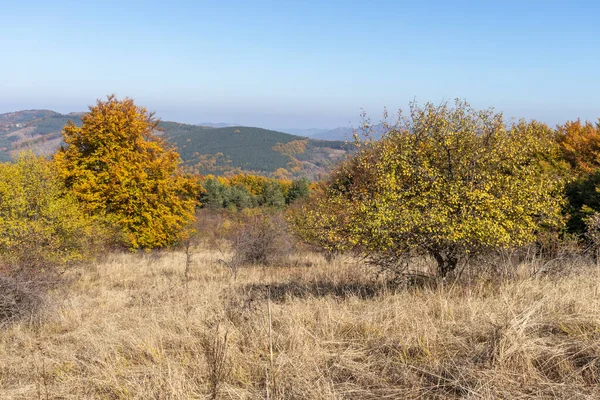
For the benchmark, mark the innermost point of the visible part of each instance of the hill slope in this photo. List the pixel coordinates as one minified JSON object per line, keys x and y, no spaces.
{"x":203,"y":149}
{"x":37,"y":130}
{"x":220,"y":150}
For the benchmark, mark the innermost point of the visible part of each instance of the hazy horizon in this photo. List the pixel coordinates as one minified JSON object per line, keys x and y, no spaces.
{"x":283,"y":65}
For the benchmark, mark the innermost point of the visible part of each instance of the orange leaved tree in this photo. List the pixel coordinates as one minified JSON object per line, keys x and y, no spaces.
{"x":122,"y":172}
{"x":580,"y":144}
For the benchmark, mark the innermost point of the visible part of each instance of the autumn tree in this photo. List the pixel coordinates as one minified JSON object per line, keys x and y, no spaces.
{"x":120,"y":170}
{"x":254,"y":183}
{"x":446,"y":182}
{"x":272,"y":194}
{"x":42,"y":225}
{"x":299,"y":189}
{"x":580,"y":145}
{"x":218,"y":194}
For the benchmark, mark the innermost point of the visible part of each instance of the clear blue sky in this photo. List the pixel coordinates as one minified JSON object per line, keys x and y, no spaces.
{"x":302,"y":63}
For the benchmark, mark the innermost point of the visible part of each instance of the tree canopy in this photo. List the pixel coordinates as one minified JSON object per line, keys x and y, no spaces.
{"x":41,"y":223}
{"x":580,"y":145}
{"x":120,"y":170}
{"x":445,"y":182}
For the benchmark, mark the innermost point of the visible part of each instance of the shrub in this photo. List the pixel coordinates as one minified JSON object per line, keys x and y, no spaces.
{"x":248,"y":191}
{"x":300,"y":189}
{"x":214,"y":194}
{"x":261,"y":239}
{"x":20,"y":298}
{"x":592,"y":234}
{"x":239,"y":197}
{"x":584,"y":200}
{"x":42,"y":230}
{"x":443,"y":182}
{"x":42,"y":225}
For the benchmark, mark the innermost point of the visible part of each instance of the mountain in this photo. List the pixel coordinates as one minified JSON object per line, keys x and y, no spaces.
{"x":216,"y":125}
{"x":203,"y":149}
{"x":335,"y":134}
{"x":310,"y":132}
{"x":346,"y":133}
{"x":248,"y":149}
{"x":37,"y":130}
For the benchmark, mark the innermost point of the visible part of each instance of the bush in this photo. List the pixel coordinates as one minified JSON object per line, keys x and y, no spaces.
{"x":42,"y":226}
{"x":42,"y":230}
{"x":217,"y":195}
{"x":300,"y":189}
{"x":444,"y":182}
{"x":239,"y":198}
{"x":214,"y":194}
{"x":248,"y":191}
{"x":262,"y":239}
{"x":212,"y":227}
{"x":20,"y":298}
{"x":584,"y":200}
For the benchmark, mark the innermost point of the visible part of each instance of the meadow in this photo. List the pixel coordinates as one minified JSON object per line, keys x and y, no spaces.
{"x":177,"y":325}
{"x":434,"y":263}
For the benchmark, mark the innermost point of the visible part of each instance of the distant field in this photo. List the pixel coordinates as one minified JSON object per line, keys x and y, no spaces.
{"x":129,"y":327}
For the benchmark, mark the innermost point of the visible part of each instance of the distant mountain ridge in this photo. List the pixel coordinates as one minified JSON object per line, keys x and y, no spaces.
{"x":204,"y":149}
{"x":347,"y":133}
{"x":341,"y":133}
{"x":309,"y":132}
{"x":36,"y":130}
{"x":217,"y":124}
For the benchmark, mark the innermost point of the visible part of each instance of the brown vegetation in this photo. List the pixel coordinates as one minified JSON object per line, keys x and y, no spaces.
{"x":128,"y":327}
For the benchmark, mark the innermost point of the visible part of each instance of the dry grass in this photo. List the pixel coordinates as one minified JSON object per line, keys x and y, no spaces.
{"x":130,"y":328}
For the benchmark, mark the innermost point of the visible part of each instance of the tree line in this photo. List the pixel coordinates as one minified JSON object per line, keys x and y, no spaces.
{"x":448,"y":182}
{"x":248,"y":191}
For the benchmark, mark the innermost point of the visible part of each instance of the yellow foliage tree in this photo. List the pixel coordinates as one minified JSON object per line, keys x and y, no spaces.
{"x":41,"y":223}
{"x":121,"y":171}
{"x":254,"y":183}
{"x":445,"y":182}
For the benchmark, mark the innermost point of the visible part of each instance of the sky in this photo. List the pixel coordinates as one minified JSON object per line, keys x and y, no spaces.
{"x":302,"y":64}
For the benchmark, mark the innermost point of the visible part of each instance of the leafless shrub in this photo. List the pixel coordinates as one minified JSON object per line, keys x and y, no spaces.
{"x":213,"y":227}
{"x":262,"y":240}
{"x":215,"y":351}
{"x":552,"y":255}
{"x":32,"y":265}
{"x":20,"y":298}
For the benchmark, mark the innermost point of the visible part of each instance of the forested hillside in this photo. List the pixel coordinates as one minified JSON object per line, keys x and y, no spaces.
{"x":203,"y":149}
{"x":38,"y":130}
{"x":237,"y":149}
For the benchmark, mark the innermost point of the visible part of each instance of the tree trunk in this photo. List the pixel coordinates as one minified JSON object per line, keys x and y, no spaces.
{"x":446,"y":263}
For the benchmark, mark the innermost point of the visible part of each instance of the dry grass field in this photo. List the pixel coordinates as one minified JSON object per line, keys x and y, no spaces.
{"x":132,"y":327}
